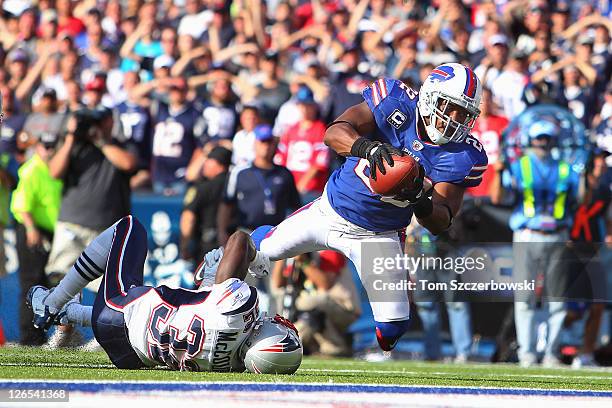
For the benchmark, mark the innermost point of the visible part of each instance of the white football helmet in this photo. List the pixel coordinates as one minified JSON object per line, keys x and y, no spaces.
{"x":448,"y":84}
{"x":273,"y":347}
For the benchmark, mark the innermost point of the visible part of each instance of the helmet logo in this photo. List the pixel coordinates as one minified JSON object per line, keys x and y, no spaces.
{"x":442,"y":73}
{"x":470,"y":84}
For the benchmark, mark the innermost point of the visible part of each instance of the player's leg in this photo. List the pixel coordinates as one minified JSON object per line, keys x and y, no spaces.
{"x":391,"y":307}
{"x":122,"y":283}
{"x":90,"y":265}
{"x":303,"y":231}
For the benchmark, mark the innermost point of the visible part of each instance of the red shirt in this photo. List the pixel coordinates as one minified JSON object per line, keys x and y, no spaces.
{"x":73,"y":27}
{"x":488,"y":131}
{"x":302,"y":148}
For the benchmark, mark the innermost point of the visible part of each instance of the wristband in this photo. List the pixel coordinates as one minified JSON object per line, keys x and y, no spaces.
{"x":423,"y":208}
{"x":335,"y":122}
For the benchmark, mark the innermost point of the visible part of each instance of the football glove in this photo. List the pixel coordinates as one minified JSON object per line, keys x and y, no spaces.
{"x":375,"y":152}
{"x":414,"y":194}
{"x":207,"y":270}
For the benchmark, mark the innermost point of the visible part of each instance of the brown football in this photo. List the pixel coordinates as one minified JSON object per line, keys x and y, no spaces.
{"x":403,"y":173}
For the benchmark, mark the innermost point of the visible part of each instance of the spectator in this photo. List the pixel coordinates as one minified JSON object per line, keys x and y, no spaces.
{"x":35,"y":205}
{"x":67,"y":23}
{"x":488,"y":130}
{"x":8,"y":181}
{"x":591,"y":229}
{"x":219,"y":113}
{"x":493,"y":63}
{"x":325,"y":303}
{"x":261,"y":194}
{"x":347,"y":86}
{"x":199,"y":217}
{"x":540,"y":222}
{"x":12,"y":122}
{"x":47,"y":120}
{"x":135,"y":124}
{"x":302,"y":151}
{"x":273,"y":92}
{"x":244,"y":140}
{"x":508,"y":87}
{"x":178,"y":129}
{"x":196,"y":19}
{"x":96,"y":170}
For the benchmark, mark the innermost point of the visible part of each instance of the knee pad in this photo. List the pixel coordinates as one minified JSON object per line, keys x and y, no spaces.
{"x":260,"y":233}
{"x":388,"y":333}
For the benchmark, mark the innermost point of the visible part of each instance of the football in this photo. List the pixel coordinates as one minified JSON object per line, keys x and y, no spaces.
{"x":403,"y":173}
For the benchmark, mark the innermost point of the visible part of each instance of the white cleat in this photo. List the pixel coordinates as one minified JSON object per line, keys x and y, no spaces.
{"x":43,"y":316}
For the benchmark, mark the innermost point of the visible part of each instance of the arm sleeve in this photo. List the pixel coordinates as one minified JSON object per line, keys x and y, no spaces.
{"x":384,"y":97}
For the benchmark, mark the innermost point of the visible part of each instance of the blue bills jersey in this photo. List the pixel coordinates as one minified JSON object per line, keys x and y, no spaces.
{"x":394,"y":106}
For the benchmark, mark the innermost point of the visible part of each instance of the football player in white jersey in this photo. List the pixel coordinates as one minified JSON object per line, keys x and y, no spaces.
{"x":217,"y":327}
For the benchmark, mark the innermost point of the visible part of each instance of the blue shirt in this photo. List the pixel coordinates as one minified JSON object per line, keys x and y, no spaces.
{"x":246,"y":187}
{"x":393,"y":105}
{"x":175,"y":137}
{"x":136,"y":127}
{"x":545,"y":179}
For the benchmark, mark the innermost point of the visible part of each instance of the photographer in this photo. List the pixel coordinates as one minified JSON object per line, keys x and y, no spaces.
{"x":96,"y":171}
{"x":319,"y":291}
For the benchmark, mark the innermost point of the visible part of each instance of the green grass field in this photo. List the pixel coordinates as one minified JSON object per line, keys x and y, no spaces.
{"x":35,"y":363}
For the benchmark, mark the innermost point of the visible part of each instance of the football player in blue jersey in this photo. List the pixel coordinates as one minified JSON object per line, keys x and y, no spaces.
{"x":431,"y":126}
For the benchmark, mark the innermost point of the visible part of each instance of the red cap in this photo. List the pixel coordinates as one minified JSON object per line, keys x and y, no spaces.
{"x":96,"y":84}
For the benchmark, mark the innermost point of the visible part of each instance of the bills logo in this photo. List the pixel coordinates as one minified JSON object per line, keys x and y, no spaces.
{"x":442,"y":73}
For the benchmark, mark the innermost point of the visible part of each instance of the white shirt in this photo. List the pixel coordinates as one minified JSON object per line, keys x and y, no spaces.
{"x":195,"y":24}
{"x":507,"y":91}
{"x":243,"y":146}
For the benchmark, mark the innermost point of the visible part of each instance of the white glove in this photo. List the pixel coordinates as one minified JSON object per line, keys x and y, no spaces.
{"x":207,"y":270}
{"x":260,"y":266}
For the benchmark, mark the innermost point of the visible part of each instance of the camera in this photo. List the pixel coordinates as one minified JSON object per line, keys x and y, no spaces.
{"x":88,"y":119}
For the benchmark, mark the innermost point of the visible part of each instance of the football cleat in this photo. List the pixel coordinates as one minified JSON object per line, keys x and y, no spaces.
{"x":260,"y":266}
{"x":43,"y":316}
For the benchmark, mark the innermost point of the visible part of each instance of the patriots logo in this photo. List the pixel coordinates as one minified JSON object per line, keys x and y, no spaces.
{"x":287,"y":344}
{"x":442,"y":73}
{"x":234,"y":286}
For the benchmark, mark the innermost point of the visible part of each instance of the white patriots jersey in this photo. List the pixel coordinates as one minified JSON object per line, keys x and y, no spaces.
{"x":193,"y":330}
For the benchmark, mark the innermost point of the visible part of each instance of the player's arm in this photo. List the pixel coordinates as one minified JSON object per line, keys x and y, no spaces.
{"x":355,"y":122}
{"x":347,"y":136}
{"x":437,"y":214}
{"x":237,"y":255}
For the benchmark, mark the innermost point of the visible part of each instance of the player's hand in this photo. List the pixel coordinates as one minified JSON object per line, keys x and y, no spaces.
{"x":207,"y":270}
{"x":380,"y":153}
{"x":418,"y":191}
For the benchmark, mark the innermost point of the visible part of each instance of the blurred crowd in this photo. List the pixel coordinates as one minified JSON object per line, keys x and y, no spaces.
{"x":225,"y":103}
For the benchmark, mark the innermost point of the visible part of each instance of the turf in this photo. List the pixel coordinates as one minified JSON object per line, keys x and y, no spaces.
{"x":36,"y":363}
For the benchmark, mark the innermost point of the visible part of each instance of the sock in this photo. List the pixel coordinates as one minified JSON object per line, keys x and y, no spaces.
{"x":79,"y":314}
{"x":260,"y":233}
{"x":90,"y":265}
